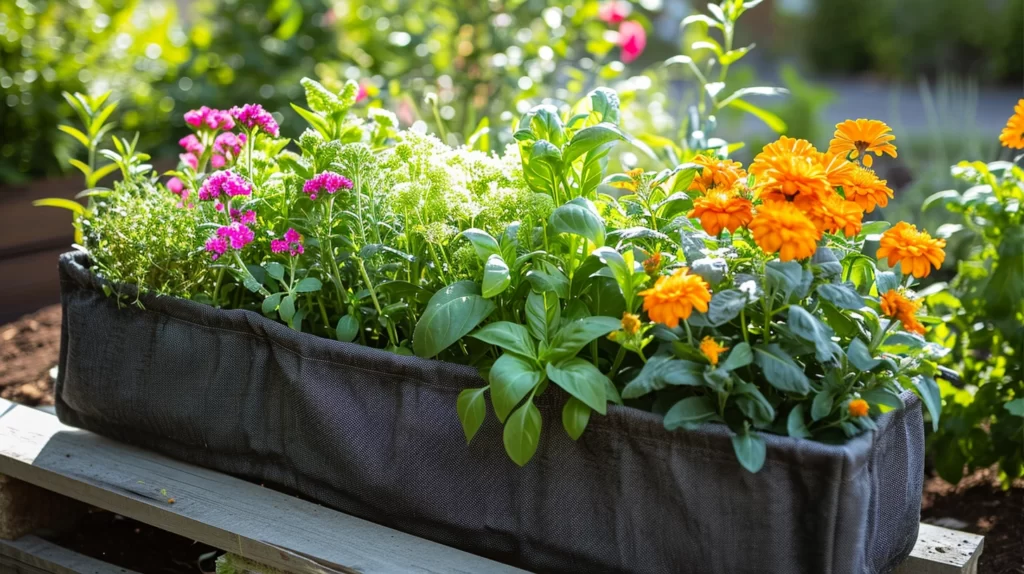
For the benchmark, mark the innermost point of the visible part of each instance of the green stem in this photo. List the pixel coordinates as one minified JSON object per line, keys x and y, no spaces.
{"x":617,"y":363}
{"x":392,"y":336}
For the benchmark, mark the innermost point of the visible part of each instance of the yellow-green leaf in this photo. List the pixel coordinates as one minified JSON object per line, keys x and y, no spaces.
{"x":771,"y":120}
{"x":74,"y":206}
{"x":78,"y":135}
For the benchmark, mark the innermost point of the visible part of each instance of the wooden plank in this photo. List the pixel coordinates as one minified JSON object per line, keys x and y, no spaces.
{"x":243,"y":518}
{"x":943,"y":551}
{"x":32,"y":555}
{"x":25,"y":508}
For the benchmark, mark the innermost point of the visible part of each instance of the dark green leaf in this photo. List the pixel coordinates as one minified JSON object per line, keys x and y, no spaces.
{"x":579,"y":217}
{"x":739,"y":356}
{"x":581,"y":380}
{"x":860,"y":357}
{"x":822,"y":405}
{"x":512,"y":378}
{"x":497,"y":277}
{"x":542,"y":314}
{"x":590,"y":138}
{"x":930,"y":395}
{"x":509,"y":336}
{"x":270,"y":303}
{"x":549,"y":279}
{"x":449,"y":317}
{"x":724,"y":307}
{"x":308,"y":285}
{"x":750,"y":450}
{"x":809,"y":328}
{"x":842,"y":295}
{"x":690,"y":411}
{"x":886,"y":281}
{"x":780,"y":370}
{"x":483,"y":243}
{"x":796,"y":426}
{"x":275,"y":270}
{"x":575,"y":335}
{"x":347,"y":329}
{"x":575,"y":416}
{"x":522,"y":433}
{"x":661,"y":371}
{"x":471,"y":410}
{"x":287,"y":309}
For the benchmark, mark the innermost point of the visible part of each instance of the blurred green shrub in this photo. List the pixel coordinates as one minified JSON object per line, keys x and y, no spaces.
{"x":903,"y":39}
{"x":982,"y":323}
{"x":50,"y":46}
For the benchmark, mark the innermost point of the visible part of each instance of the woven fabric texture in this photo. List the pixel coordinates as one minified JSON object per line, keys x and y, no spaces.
{"x":376,"y":435}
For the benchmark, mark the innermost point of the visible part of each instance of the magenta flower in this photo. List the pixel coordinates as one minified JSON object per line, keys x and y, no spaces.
{"x":209,"y":118}
{"x":291,"y":242}
{"x":613,"y":11}
{"x":253,"y":116}
{"x":192,"y":145}
{"x":217,"y":161}
{"x":632,"y":40}
{"x":247,"y":218}
{"x":237,"y":235}
{"x":228,"y":143}
{"x":362,"y":94}
{"x":190,"y":160}
{"x":224,"y":183}
{"x":175,"y":186}
{"x":216,"y":247}
{"x":327,"y":181}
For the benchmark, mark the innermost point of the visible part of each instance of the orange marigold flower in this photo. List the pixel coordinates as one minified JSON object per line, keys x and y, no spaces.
{"x":837,"y":168}
{"x":1013,"y":134}
{"x":781,"y":227}
{"x":864,"y":187}
{"x":630,"y":323}
{"x":652,"y":264}
{"x":834,"y":215}
{"x":858,"y":138}
{"x":675,"y":296}
{"x":914,"y":250}
{"x":720,"y":210}
{"x":858,"y":408}
{"x":711,"y":349}
{"x":716,"y":173}
{"x":783,"y":147}
{"x":794,"y":175}
{"x":902,"y":309}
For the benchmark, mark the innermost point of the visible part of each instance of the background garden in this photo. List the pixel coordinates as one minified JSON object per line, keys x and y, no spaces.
{"x":944,"y":74}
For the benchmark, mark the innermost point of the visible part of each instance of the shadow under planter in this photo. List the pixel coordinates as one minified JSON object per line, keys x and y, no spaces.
{"x":376,"y":435}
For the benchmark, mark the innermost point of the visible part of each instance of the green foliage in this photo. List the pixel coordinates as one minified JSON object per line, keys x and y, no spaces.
{"x":982,"y":323}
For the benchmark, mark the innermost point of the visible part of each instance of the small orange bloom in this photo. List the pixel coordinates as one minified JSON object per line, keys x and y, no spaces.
{"x":630,"y":323}
{"x":716,"y":174}
{"x":858,"y":408}
{"x":914,"y":250}
{"x":1013,"y":134}
{"x":720,"y":210}
{"x":837,"y":168}
{"x":864,"y":187}
{"x":780,"y":227}
{"x":711,"y":349}
{"x":904,"y":310}
{"x":783,"y":147}
{"x":635,"y":176}
{"x":652,"y":264}
{"x":675,"y":296}
{"x":835,"y":215}
{"x":858,"y":138}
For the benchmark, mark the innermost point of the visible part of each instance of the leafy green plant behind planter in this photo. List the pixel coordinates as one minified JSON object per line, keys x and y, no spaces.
{"x":983,"y":325}
{"x":702,"y":292}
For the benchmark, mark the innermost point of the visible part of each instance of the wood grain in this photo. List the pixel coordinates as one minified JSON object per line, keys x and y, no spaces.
{"x":32,"y":555}
{"x":253,"y":522}
{"x":943,"y":551}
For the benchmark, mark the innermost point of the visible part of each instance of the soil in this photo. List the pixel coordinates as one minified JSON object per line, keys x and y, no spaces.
{"x":29,"y":348}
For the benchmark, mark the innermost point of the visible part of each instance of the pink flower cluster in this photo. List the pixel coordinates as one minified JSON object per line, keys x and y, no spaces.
{"x":326,"y":181}
{"x":291,"y":242}
{"x":229,"y":144}
{"x":210,"y":118}
{"x":632,"y":34}
{"x":247,"y":218}
{"x":253,"y":116}
{"x":235,"y":236}
{"x":224,"y":182}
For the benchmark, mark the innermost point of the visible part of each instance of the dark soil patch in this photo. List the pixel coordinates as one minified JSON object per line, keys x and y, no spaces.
{"x":29,"y":348}
{"x":979,"y":505}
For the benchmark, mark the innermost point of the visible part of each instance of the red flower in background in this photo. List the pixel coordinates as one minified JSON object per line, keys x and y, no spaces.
{"x":632,"y":40}
{"x":614,"y":11}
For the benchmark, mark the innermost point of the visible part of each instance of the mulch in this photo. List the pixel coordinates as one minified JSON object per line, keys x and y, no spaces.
{"x":29,"y":348}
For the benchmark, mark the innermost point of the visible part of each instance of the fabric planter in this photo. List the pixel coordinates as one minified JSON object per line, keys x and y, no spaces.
{"x":376,"y":435}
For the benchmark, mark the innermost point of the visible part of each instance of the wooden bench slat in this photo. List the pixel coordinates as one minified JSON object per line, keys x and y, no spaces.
{"x":32,"y":555}
{"x":243,"y":518}
{"x":943,"y":551}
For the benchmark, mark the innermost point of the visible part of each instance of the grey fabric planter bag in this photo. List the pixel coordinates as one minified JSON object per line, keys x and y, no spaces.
{"x":376,"y":435}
